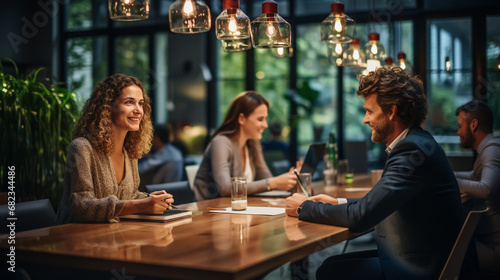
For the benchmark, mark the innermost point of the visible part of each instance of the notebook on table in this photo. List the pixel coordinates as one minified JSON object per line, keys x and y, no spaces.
{"x":314,"y":157}
{"x":168,"y":215}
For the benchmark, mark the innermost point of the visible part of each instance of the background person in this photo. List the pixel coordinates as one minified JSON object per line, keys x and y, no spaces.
{"x":165,"y":163}
{"x":101,"y":177}
{"x":235,"y":150}
{"x":415,"y":207}
{"x":482,"y":184}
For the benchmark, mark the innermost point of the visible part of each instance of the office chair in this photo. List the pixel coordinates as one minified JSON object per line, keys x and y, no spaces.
{"x":191,"y":171}
{"x":451,"y":270}
{"x":180,"y":190}
{"x":30,"y":215}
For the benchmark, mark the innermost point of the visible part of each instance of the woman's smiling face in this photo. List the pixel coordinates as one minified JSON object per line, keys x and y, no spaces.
{"x":252,"y":126}
{"x":128,"y":109}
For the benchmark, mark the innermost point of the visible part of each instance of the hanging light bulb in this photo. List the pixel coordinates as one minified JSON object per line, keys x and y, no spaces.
{"x":374,"y":51}
{"x":337,"y":27}
{"x":447,"y":64}
{"x":335,"y":53}
{"x":270,"y":30}
{"x":282,"y":52}
{"x":354,"y":56}
{"x":236,"y":45}
{"x":232,"y":23}
{"x":128,"y":10}
{"x":404,"y":64}
{"x":189,"y":17}
{"x":497,"y":62}
{"x":389,"y":62}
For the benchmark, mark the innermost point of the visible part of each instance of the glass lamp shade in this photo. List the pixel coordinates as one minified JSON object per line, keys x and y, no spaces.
{"x":354,"y":57}
{"x":128,"y":10}
{"x":374,"y":51}
{"x":236,"y":45}
{"x":336,"y":53}
{"x":337,"y":27}
{"x":189,"y":17}
{"x":270,"y":30}
{"x":282,"y":52}
{"x":404,"y":64}
{"x":232,"y":23}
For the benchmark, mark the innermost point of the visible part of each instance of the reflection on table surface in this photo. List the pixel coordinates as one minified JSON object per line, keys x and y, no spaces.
{"x":214,"y":245}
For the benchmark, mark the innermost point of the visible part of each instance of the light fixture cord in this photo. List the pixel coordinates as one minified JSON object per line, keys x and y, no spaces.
{"x":373,"y":14}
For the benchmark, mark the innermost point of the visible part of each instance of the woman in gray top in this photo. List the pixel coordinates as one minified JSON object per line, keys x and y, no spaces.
{"x":101,"y":179}
{"x":235,"y":150}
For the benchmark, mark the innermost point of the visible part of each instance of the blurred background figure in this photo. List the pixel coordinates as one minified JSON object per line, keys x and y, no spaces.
{"x":165,"y":163}
{"x":276,"y":151}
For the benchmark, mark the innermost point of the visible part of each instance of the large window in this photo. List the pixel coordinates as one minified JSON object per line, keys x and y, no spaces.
{"x":493,"y":69}
{"x":449,"y":77}
{"x":97,"y":47}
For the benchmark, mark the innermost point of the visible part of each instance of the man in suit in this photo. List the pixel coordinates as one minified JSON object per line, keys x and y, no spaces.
{"x":415,"y":207}
{"x":482,"y":184}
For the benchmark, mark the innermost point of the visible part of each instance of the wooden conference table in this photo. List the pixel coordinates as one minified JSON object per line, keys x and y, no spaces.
{"x":208,"y":245}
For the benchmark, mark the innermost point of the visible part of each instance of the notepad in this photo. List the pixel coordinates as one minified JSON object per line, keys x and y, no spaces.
{"x":168,"y":215}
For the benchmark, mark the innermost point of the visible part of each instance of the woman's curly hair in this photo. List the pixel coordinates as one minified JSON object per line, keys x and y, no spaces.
{"x":393,"y":86}
{"x":95,"y":121}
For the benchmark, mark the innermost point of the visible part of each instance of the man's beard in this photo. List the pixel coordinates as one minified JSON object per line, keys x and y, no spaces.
{"x":468,"y":139}
{"x":381,"y":131}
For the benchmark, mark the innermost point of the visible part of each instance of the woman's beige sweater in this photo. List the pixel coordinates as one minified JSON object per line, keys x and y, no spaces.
{"x":91,"y":192}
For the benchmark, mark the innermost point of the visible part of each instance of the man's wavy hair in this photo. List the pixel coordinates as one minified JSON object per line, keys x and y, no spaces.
{"x":393,"y":86}
{"x":95,"y":121}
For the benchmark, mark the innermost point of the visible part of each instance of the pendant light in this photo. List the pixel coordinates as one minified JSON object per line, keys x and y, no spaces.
{"x":355,"y":57}
{"x":128,"y":10}
{"x":270,"y":30}
{"x":375,"y":52}
{"x":189,"y":17}
{"x":389,"y":62}
{"x":232,"y":23}
{"x":236,"y":45}
{"x":447,"y":64}
{"x":282,"y":52}
{"x":335,"y":53}
{"x":404,"y":64}
{"x":337,"y":27}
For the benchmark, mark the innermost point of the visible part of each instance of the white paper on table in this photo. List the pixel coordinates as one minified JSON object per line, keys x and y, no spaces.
{"x":254,"y":210}
{"x":357,"y":189}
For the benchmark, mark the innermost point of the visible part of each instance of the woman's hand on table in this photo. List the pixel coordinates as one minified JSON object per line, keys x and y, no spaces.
{"x":285,"y":181}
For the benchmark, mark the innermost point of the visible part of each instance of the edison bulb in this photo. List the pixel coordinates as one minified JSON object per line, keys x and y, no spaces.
{"x":188,"y":8}
{"x":338,"y":48}
{"x":232,"y":25}
{"x":338,"y":26}
{"x":270,"y":30}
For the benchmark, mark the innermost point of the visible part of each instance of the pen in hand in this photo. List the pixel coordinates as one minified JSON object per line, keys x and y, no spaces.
{"x":300,"y":183}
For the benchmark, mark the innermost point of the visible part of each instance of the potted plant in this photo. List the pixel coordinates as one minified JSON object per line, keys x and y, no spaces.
{"x":36,"y":120}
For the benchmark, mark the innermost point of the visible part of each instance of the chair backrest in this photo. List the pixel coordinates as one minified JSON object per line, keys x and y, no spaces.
{"x":180,"y":190}
{"x":453,"y":266}
{"x":191,"y":171}
{"x":30,"y":215}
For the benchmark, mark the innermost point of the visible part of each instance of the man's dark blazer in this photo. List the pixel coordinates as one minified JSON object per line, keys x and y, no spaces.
{"x":415,"y":208}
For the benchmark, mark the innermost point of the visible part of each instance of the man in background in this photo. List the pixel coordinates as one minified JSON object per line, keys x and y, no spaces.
{"x":482,"y":184}
{"x":165,"y":164}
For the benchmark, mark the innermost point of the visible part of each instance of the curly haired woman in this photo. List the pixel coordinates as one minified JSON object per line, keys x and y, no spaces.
{"x":101,"y":179}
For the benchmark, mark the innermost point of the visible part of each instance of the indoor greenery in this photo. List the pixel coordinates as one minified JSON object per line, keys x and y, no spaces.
{"x":36,"y":120}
